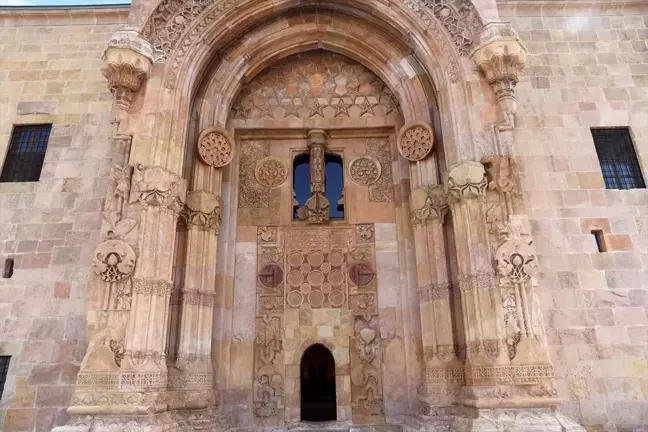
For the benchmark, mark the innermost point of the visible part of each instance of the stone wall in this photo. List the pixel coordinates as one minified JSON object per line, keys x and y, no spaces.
{"x":587,"y":67}
{"x":50,"y":73}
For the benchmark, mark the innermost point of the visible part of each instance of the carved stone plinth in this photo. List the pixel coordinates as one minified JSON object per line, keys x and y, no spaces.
{"x":163,"y":422}
{"x":513,"y":420}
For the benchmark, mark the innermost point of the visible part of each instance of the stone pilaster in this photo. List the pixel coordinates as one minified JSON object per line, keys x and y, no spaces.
{"x":443,"y":374}
{"x":191,"y":377}
{"x":480,"y":300}
{"x":500,"y":55}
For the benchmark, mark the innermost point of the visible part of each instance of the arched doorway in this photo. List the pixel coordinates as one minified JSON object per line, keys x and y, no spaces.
{"x":317,"y":377}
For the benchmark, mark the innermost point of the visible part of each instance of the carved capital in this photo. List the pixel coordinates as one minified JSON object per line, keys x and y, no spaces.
{"x":202,"y":210}
{"x":428,"y":203}
{"x":317,"y":137}
{"x":466,"y":181}
{"x":126,"y":65}
{"x":155,"y":186}
{"x":501,"y":57}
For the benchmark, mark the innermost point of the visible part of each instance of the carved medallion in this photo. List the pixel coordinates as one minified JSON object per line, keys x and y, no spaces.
{"x":365,"y":170}
{"x":270,"y":172}
{"x":114,"y":260}
{"x":271,"y":275}
{"x":415,"y":141}
{"x":361,"y":274}
{"x":215,"y":147}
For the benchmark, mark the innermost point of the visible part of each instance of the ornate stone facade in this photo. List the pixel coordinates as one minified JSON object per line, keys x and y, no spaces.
{"x":170,"y":273}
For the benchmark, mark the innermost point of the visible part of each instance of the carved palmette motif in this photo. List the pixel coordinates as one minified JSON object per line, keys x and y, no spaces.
{"x":114,"y":260}
{"x":515,"y":258}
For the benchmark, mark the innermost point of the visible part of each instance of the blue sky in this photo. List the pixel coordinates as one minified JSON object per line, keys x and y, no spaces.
{"x":60,"y":2}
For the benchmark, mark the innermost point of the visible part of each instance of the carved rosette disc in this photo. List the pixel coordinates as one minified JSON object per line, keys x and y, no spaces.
{"x":365,"y":170}
{"x":270,"y":172}
{"x":415,"y":141}
{"x":361,"y":274}
{"x":271,"y":275}
{"x":114,"y":260}
{"x":215,"y":147}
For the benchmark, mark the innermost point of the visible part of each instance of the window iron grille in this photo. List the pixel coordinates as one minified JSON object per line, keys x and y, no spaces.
{"x":618,"y":159}
{"x":4,"y":369}
{"x":26,"y":154}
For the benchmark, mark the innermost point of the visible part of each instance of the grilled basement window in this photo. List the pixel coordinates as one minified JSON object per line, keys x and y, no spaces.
{"x":26,"y":153}
{"x":4,"y":368}
{"x":618,"y":159}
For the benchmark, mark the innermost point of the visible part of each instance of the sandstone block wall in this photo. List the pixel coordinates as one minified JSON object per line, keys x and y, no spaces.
{"x":50,"y":73}
{"x":587,"y":67}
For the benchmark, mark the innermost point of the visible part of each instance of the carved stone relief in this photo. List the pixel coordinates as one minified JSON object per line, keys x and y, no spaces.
{"x":156,"y":186}
{"x":315,"y":84}
{"x":114,"y":261}
{"x":215,"y":147}
{"x":364,"y":170}
{"x":428,"y":203}
{"x":271,"y":172}
{"x":202,"y":210}
{"x":415,"y":140}
{"x":253,"y":194}
{"x":466,"y":181}
{"x":382,"y":190}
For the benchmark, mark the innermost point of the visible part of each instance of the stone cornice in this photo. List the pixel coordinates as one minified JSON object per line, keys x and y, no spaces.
{"x":558,"y":8}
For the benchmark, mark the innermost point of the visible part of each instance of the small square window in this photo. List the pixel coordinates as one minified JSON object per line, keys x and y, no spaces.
{"x":26,"y":153}
{"x":618,"y":159}
{"x":4,"y":369}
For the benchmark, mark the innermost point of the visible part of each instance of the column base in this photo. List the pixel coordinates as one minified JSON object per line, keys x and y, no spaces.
{"x":207,"y":420}
{"x":513,"y":420}
{"x":467,"y":419}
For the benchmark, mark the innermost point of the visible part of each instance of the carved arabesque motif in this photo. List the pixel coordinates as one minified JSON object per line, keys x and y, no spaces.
{"x":114,"y":260}
{"x":383,"y":189}
{"x":215,"y":147}
{"x":271,"y":172}
{"x":253,"y":194}
{"x":364,"y":170}
{"x":415,"y":140}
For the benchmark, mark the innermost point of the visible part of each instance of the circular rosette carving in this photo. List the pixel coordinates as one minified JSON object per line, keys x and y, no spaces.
{"x":271,"y":275}
{"x":361,"y":274}
{"x":114,"y":260}
{"x":415,"y":141}
{"x":270,"y":172}
{"x":215,"y":147}
{"x":365,"y":170}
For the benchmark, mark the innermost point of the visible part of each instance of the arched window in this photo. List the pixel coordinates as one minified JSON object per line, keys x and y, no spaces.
{"x":335,"y":184}
{"x":334,"y":178}
{"x":301,"y":181}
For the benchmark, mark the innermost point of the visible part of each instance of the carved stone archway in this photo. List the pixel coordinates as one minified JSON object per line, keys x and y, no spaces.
{"x":190,"y":59}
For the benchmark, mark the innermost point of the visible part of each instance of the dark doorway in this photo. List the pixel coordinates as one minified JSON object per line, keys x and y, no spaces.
{"x":317,"y":375}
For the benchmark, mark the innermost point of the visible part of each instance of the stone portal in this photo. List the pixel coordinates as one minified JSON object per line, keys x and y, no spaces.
{"x":317,"y":379}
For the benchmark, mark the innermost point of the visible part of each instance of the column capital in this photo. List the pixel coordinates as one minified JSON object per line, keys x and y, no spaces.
{"x":202,"y":210}
{"x":126,"y":64}
{"x":317,"y":137}
{"x":155,"y":186}
{"x":501,"y":57}
{"x":465,"y":181}
{"x":428,"y":203}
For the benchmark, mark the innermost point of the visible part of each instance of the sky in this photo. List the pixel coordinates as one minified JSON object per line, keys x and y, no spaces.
{"x":60,"y":2}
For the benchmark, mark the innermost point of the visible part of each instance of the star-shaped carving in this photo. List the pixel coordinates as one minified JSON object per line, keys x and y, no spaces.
{"x":367,"y":108}
{"x":316,"y":109}
{"x":391,"y":105}
{"x":266,"y":109}
{"x":353,"y":93}
{"x":342,"y":109}
{"x":241,"y":112}
{"x":291,"y":109}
